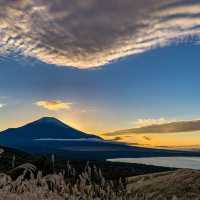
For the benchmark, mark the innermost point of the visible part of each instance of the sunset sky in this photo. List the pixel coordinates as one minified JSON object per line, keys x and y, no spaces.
{"x":101,"y":74}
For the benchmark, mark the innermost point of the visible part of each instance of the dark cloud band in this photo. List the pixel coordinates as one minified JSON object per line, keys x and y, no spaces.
{"x":91,"y":33}
{"x":173,"y":127}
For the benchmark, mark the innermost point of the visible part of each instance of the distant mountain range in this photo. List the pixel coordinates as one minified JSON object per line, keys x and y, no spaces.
{"x":49,"y":135}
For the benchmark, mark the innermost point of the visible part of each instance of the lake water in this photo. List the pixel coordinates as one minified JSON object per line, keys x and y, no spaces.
{"x":177,"y":162}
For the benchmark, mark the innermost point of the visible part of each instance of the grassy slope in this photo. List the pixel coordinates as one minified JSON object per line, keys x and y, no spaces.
{"x":181,"y":184}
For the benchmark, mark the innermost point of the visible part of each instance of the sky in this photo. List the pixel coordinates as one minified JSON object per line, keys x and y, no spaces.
{"x":103,"y":67}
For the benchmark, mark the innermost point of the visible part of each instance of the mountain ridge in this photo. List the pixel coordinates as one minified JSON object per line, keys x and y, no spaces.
{"x":46,"y":127}
{"x":51,"y":136}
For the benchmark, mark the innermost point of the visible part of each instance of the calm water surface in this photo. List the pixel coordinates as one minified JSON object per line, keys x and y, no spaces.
{"x":177,"y":162}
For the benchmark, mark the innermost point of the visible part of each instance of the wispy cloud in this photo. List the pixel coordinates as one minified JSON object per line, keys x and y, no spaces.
{"x":147,"y":138}
{"x":2,"y":105}
{"x":91,"y":33}
{"x":172,"y":127}
{"x":88,"y":110}
{"x":54,"y":105}
{"x":150,"y":121}
{"x":117,"y":138}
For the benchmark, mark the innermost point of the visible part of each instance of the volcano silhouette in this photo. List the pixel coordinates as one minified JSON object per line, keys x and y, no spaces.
{"x":46,"y":127}
{"x":51,"y":136}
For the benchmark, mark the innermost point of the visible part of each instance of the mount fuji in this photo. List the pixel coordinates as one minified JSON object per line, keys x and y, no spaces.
{"x":51,"y":136}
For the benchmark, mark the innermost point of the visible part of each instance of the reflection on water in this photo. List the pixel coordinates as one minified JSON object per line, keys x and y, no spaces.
{"x":177,"y":162}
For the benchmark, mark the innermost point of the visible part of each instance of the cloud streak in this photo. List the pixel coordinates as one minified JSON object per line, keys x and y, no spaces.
{"x":173,"y":127}
{"x":2,"y":105}
{"x":148,"y":122}
{"x":54,"y":105}
{"x":92,"y":33}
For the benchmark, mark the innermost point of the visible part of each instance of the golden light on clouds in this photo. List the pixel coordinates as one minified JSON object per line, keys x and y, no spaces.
{"x":54,"y":105}
{"x":150,"y":121}
{"x":175,"y":140}
{"x":160,"y":133}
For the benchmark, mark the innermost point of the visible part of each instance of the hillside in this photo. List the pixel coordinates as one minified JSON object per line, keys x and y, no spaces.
{"x":173,"y":185}
{"x":159,"y":183}
{"x":111,"y":170}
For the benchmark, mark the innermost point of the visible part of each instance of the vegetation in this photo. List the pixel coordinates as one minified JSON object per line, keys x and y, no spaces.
{"x":75,"y":182}
{"x":90,"y":184}
{"x":55,"y":186}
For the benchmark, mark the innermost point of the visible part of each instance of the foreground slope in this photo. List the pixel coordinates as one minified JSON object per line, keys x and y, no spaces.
{"x":173,"y":185}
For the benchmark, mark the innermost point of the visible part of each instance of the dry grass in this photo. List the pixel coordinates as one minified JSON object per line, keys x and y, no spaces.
{"x":182,"y":184}
{"x":66,"y":185}
{"x":89,"y":185}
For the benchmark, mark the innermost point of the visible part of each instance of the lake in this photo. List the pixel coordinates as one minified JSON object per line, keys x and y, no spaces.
{"x":177,"y":162}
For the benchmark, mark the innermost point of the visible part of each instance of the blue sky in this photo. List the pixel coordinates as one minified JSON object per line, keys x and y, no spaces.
{"x":160,"y":83}
{"x":135,"y":63}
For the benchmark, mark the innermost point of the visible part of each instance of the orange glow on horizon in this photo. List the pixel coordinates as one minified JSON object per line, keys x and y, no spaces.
{"x":185,"y":139}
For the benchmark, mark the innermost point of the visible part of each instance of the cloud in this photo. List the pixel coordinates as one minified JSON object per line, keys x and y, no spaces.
{"x":92,"y":33}
{"x":54,"y":105}
{"x":117,"y":138}
{"x":88,"y":110}
{"x":172,"y":127}
{"x":147,"y":138}
{"x":147,"y":122}
{"x":2,"y":105}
